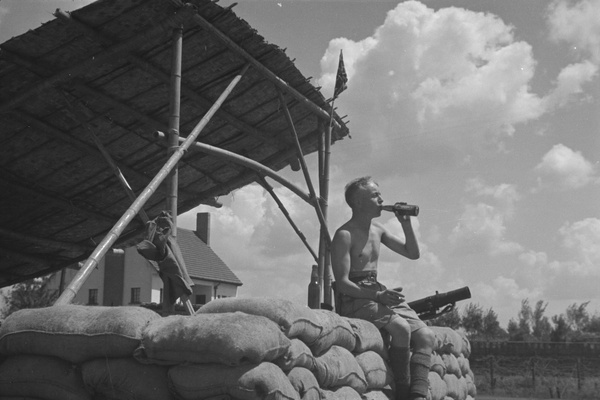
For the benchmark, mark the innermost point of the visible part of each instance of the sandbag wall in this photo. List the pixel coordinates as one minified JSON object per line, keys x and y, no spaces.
{"x":258,"y":348}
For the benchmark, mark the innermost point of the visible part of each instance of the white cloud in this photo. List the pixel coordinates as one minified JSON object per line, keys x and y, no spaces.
{"x":443,"y":82}
{"x":582,"y":239}
{"x":482,"y":227}
{"x":570,"y":83}
{"x":564,"y":169}
{"x":577,"y":23}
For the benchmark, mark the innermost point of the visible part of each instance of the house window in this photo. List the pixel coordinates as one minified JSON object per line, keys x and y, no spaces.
{"x":93,"y":297}
{"x":200,"y":299}
{"x":135,"y":295}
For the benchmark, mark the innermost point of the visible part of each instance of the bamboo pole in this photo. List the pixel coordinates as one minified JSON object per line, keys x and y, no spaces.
{"x":173,"y":143}
{"x":269,"y":189}
{"x":324,"y":192}
{"x":91,"y":263}
{"x":317,"y":203}
{"x":249,"y":163}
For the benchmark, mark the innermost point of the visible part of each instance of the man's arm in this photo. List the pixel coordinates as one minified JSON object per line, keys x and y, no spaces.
{"x":409,"y":248}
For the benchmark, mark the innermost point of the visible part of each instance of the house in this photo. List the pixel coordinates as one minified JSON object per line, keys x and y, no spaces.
{"x":124,"y":277}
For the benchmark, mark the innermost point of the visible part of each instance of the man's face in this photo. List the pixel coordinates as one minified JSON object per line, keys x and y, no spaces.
{"x":370,"y":200}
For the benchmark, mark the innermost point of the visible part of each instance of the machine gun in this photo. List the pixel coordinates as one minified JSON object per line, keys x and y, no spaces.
{"x":427,"y":307}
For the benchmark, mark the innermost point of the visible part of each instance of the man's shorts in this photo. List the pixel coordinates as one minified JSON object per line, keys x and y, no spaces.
{"x":379,"y":314}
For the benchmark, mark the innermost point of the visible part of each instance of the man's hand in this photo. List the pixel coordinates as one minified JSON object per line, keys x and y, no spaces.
{"x":390,"y":298}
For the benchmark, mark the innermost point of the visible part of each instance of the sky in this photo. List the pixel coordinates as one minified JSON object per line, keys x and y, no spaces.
{"x":484,"y":113}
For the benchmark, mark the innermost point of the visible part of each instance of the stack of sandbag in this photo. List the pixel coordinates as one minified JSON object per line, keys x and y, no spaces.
{"x":76,"y":352}
{"x":450,"y":375}
{"x":251,"y":348}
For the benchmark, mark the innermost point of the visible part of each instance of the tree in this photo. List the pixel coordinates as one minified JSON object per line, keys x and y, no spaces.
{"x":32,"y":293}
{"x":491,"y":327}
{"x":472,"y":320}
{"x":577,"y":316}
{"x":450,"y":319}
{"x":520,"y":331}
{"x":540,"y":325}
{"x":561,"y":329}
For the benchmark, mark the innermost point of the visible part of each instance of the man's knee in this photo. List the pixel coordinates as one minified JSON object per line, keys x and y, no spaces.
{"x":424,"y":338}
{"x":399,"y":329}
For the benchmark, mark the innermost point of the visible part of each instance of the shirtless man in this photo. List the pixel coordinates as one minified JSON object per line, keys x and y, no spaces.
{"x":354,"y":255}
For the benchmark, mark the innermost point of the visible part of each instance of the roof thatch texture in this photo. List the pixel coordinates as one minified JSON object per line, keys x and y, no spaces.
{"x":104,"y":70}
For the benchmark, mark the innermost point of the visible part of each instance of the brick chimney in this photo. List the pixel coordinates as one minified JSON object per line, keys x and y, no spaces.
{"x":203,"y":227}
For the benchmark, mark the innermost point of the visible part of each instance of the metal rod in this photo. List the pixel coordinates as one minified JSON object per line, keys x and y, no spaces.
{"x":71,"y":291}
{"x":285,"y":212}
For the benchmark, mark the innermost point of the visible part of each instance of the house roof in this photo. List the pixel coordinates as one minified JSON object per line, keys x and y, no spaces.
{"x":105,"y":70}
{"x":201,"y":261}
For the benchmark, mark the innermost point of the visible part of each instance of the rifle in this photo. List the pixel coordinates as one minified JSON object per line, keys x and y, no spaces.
{"x":427,"y":308}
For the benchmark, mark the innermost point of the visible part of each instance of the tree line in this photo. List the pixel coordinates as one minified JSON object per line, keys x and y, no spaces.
{"x":531,"y":324}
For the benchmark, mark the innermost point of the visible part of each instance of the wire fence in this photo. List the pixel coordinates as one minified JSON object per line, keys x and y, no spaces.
{"x":564,"y":377}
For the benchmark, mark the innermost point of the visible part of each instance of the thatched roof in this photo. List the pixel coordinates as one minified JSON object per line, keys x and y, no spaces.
{"x":105,"y":69}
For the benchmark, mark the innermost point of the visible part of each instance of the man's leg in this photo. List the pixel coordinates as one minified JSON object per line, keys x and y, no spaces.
{"x":399,"y":353}
{"x":423,"y":341}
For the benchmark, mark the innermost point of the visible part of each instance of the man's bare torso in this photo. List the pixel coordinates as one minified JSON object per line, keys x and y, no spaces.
{"x":364,"y":248}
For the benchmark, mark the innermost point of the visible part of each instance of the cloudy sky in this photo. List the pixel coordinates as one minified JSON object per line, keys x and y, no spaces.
{"x":484,"y":113}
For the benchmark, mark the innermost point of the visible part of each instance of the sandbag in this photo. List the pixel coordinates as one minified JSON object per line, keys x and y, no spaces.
{"x":452,"y":366}
{"x":229,"y":338}
{"x":368,"y":337}
{"x":295,"y":320}
{"x":41,"y":377}
{"x":297,"y":355}
{"x":463,"y":389}
{"x":471,"y":389}
{"x":437,"y":386}
{"x":377,"y":373}
{"x":338,"y":368}
{"x":75,"y":333}
{"x":453,"y":387}
{"x":265,"y":381}
{"x":447,"y":341}
{"x":125,"y":379}
{"x":343,"y":393}
{"x":464,"y":364}
{"x":305,"y":383}
{"x":336,"y":331}
{"x":376,"y":395}
{"x":437,"y":364}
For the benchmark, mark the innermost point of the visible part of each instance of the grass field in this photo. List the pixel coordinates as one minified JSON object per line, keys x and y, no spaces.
{"x":545,"y":388}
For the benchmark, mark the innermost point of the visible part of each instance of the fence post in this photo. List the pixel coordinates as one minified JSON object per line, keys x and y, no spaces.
{"x":579,"y":373}
{"x":492,"y":378}
{"x":533,"y":372}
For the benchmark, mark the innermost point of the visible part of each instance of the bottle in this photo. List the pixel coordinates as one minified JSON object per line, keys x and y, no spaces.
{"x":402,"y":209}
{"x":314,"y":290}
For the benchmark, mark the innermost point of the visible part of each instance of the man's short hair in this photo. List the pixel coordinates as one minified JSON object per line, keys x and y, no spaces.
{"x":354,"y":186}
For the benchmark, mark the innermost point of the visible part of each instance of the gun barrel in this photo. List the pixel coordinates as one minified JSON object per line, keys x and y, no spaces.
{"x":432,"y":303}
